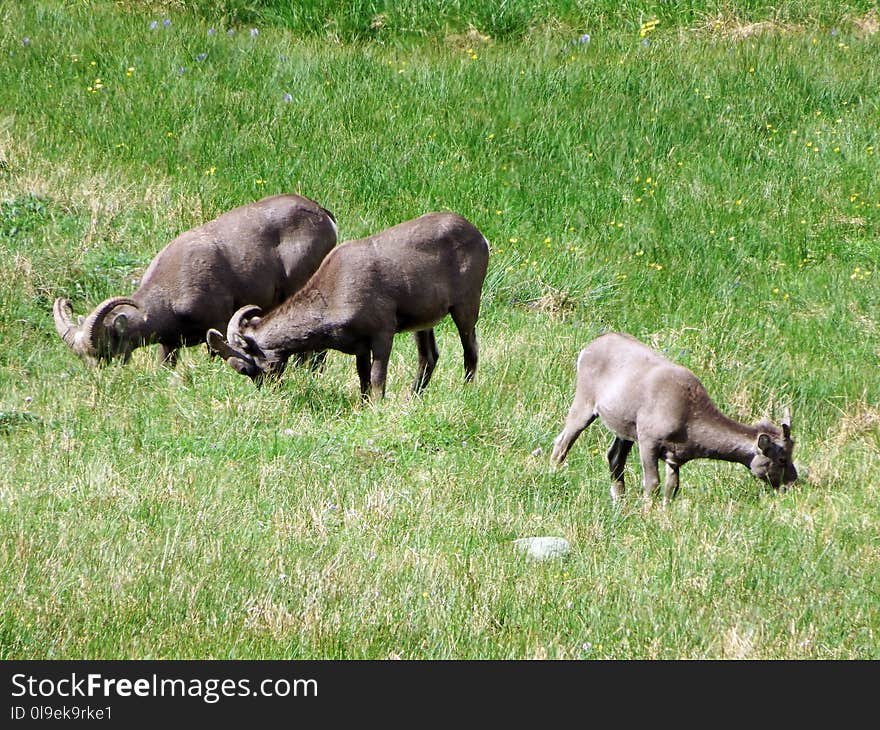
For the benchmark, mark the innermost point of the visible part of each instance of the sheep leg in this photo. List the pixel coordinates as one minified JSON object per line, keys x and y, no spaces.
{"x":380,"y":347}
{"x":168,"y":355}
{"x":363,"y":369}
{"x":579,"y":417}
{"x":465,"y":319}
{"x":670,"y":488}
{"x":617,"y":455}
{"x":426,"y":343}
{"x":316,"y":361}
{"x":274,"y":375}
{"x":650,"y":454}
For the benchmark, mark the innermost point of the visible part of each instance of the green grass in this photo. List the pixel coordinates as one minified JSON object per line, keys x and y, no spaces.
{"x":714,"y":192}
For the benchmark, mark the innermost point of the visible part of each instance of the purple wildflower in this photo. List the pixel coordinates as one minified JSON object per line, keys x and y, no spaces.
{"x":201,"y":57}
{"x":211,"y":31}
{"x":584,"y":39}
{"x":254,"y":32}
{"x":287,"y":98}
{"x":154,"y":24}
{"x":25,"y":41}
{"x":166,"y":22}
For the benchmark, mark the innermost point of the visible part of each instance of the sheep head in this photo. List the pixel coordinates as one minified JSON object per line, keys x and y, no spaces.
{"x":103,"y":335}
{"x":773,"y":454}
{"x":239,"y":351}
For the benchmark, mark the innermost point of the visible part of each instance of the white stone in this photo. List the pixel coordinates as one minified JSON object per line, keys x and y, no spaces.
{"x":543,"y":548}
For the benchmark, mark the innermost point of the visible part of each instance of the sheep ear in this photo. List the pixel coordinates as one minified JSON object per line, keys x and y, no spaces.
{"x":764,"y":443}
{"x":217,"y":342}
{"x":120,"y":324}
{"x":786,"y":423}
{"x":214,"y":340}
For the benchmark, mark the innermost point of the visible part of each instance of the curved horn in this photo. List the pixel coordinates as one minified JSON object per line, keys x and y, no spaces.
{"x":64,"y":324}
{"x":235,"y":323}
{"x":97,"y":317}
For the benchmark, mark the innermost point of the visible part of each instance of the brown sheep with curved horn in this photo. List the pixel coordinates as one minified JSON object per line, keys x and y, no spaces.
{"x":405,"y":278}
{"x":259,"y":253}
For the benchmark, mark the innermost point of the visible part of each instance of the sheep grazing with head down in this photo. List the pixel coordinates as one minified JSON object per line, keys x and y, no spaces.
{"x":644,"y":398}
{"x":255,"y":254}
{"x":405,"y":278}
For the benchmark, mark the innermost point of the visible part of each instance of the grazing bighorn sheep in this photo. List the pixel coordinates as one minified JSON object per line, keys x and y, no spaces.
{"x":255,"y":254}
{"x":406,"y":278}
{"x":642,"y":396}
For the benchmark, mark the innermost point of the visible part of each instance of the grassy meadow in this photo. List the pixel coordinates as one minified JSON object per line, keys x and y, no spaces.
{"x":708,"y":183}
